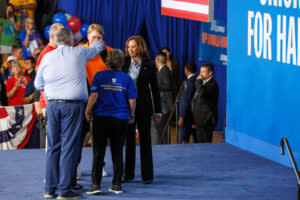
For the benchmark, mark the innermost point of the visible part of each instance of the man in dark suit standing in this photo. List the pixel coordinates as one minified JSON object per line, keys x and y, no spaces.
{"x":185,"y":112}
{"x":164,"y":79}
{"x":205,"y":104}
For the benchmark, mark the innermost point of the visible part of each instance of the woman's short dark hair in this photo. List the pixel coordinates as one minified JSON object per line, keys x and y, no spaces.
{"x":115,"y":59}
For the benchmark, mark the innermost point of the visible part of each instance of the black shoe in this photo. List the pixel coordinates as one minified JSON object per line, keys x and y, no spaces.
{"x":95,"y":189}
{"x":77,"y":187}
{"x":147,"y":181}
{"x":71,"y":195}
{"x":49,"y":195}
{"x":126,"y":180}
{"x":117,"y":189}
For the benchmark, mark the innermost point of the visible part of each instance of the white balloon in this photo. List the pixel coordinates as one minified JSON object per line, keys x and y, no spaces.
{"x":78,"y":36}
{"x":68,"y":16}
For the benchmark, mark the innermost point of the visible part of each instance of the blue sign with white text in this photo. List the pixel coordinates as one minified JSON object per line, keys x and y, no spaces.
{"x":213,"y":42}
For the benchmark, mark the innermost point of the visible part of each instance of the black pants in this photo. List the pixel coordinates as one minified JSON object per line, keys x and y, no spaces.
{"x":187,"y":130}
{"x":205,"y":133}
{"x":143,"y":124}
{"x":42,"y":124}
{"x":114,"y":129}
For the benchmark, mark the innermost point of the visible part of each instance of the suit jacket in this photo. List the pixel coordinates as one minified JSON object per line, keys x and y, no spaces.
{"x":186,"y":96}
{"x":205,"y":103}
{"x":147,"y":75}
{"x":165,"y":85}
{"x":176,"y":78}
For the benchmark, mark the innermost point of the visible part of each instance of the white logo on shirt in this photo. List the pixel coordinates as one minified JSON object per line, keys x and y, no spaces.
{"x":114,"y":80}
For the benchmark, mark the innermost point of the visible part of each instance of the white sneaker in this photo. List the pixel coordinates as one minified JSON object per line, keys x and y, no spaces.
{"x":104,"y":172}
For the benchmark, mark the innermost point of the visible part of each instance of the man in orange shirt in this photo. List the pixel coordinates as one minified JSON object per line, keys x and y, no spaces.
{"x":97,"y":63}
{"x":94,"y":65}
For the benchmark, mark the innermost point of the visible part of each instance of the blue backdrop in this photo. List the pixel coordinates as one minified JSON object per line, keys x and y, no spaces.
{"x":263,"y":93}
{"x":124,"y":18}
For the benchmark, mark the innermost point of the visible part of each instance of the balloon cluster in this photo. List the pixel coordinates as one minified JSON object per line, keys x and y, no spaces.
{"x":72,"y":23}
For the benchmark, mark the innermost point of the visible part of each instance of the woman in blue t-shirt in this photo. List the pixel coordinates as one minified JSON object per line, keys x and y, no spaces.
{"x":30,"y":38}
{"x":113,"y":97}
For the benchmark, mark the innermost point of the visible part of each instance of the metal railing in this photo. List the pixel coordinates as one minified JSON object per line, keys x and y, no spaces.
{"x":285,"y":142}
{"x":174,"y":109}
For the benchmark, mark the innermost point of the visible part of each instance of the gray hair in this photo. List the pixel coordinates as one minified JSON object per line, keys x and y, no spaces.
{"x":63,"y":36}
{"x":162,"y":57}
{"x":54,"y":28}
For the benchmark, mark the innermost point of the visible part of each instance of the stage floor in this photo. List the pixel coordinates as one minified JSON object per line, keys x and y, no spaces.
{"x":215,"y":171}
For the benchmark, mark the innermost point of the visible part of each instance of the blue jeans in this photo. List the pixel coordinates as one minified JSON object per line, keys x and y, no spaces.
{"x":63,"y":136}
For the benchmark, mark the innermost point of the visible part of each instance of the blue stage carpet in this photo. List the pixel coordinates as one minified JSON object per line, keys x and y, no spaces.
{"x":198,"y":171}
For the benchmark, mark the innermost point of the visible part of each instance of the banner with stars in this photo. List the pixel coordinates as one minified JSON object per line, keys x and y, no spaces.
{"x":16,"y":126}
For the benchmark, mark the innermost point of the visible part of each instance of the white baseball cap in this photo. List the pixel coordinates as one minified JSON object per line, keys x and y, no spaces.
{"x":11,"y":58}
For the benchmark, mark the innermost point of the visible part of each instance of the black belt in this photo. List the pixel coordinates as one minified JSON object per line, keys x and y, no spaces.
{"x":65,"y":101}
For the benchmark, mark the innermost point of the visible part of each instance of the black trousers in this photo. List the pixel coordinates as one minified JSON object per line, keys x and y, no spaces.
{"x":42,"y":124}
{"x":187,"y":130}
{"x":205,"y":133}
{"x":114,"y":129}
{"x":143,"y":124}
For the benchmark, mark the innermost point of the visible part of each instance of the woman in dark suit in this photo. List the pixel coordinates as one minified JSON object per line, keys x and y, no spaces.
{"x":142,"y":70}
{"x":173,"y":66}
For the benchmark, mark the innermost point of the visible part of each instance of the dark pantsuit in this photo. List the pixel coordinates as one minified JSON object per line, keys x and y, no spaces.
{"x":114,"y":129}
{"x":143,"y":124}
{"x":63,"y":135}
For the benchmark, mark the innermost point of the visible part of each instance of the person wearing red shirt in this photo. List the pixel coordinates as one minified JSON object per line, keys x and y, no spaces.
{"x":39,"y":106}
{"x":16,"y":85}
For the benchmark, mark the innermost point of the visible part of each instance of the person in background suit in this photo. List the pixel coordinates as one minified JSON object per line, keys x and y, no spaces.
{"x":173,"y":66}
{"x":165,"y":85}
{"x":186,"y":121}
{"x":205,"y":104}
{"x":142,"y":70}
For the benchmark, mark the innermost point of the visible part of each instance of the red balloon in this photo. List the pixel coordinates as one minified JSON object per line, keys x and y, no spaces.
{"x":74,"y":23}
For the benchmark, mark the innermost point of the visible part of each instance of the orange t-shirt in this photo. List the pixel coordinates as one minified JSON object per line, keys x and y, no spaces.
{"x":95,"y":65}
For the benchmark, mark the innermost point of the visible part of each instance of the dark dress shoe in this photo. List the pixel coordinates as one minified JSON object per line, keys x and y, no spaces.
{"x":71,"y":195}
{"x":147,"y":181}
{"x":126,"y":180}
{"x":77,"y":187}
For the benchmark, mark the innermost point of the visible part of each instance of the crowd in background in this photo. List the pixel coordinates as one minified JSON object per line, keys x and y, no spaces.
{"x":20,"y":45}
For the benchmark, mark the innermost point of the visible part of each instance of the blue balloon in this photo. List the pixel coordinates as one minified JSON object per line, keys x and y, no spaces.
{"x":46,"y":31}
{"x":83,"y":29}
{"x":60,"y":18}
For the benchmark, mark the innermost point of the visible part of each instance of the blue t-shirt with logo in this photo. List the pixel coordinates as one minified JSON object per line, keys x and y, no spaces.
{"x":114,"y":88}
